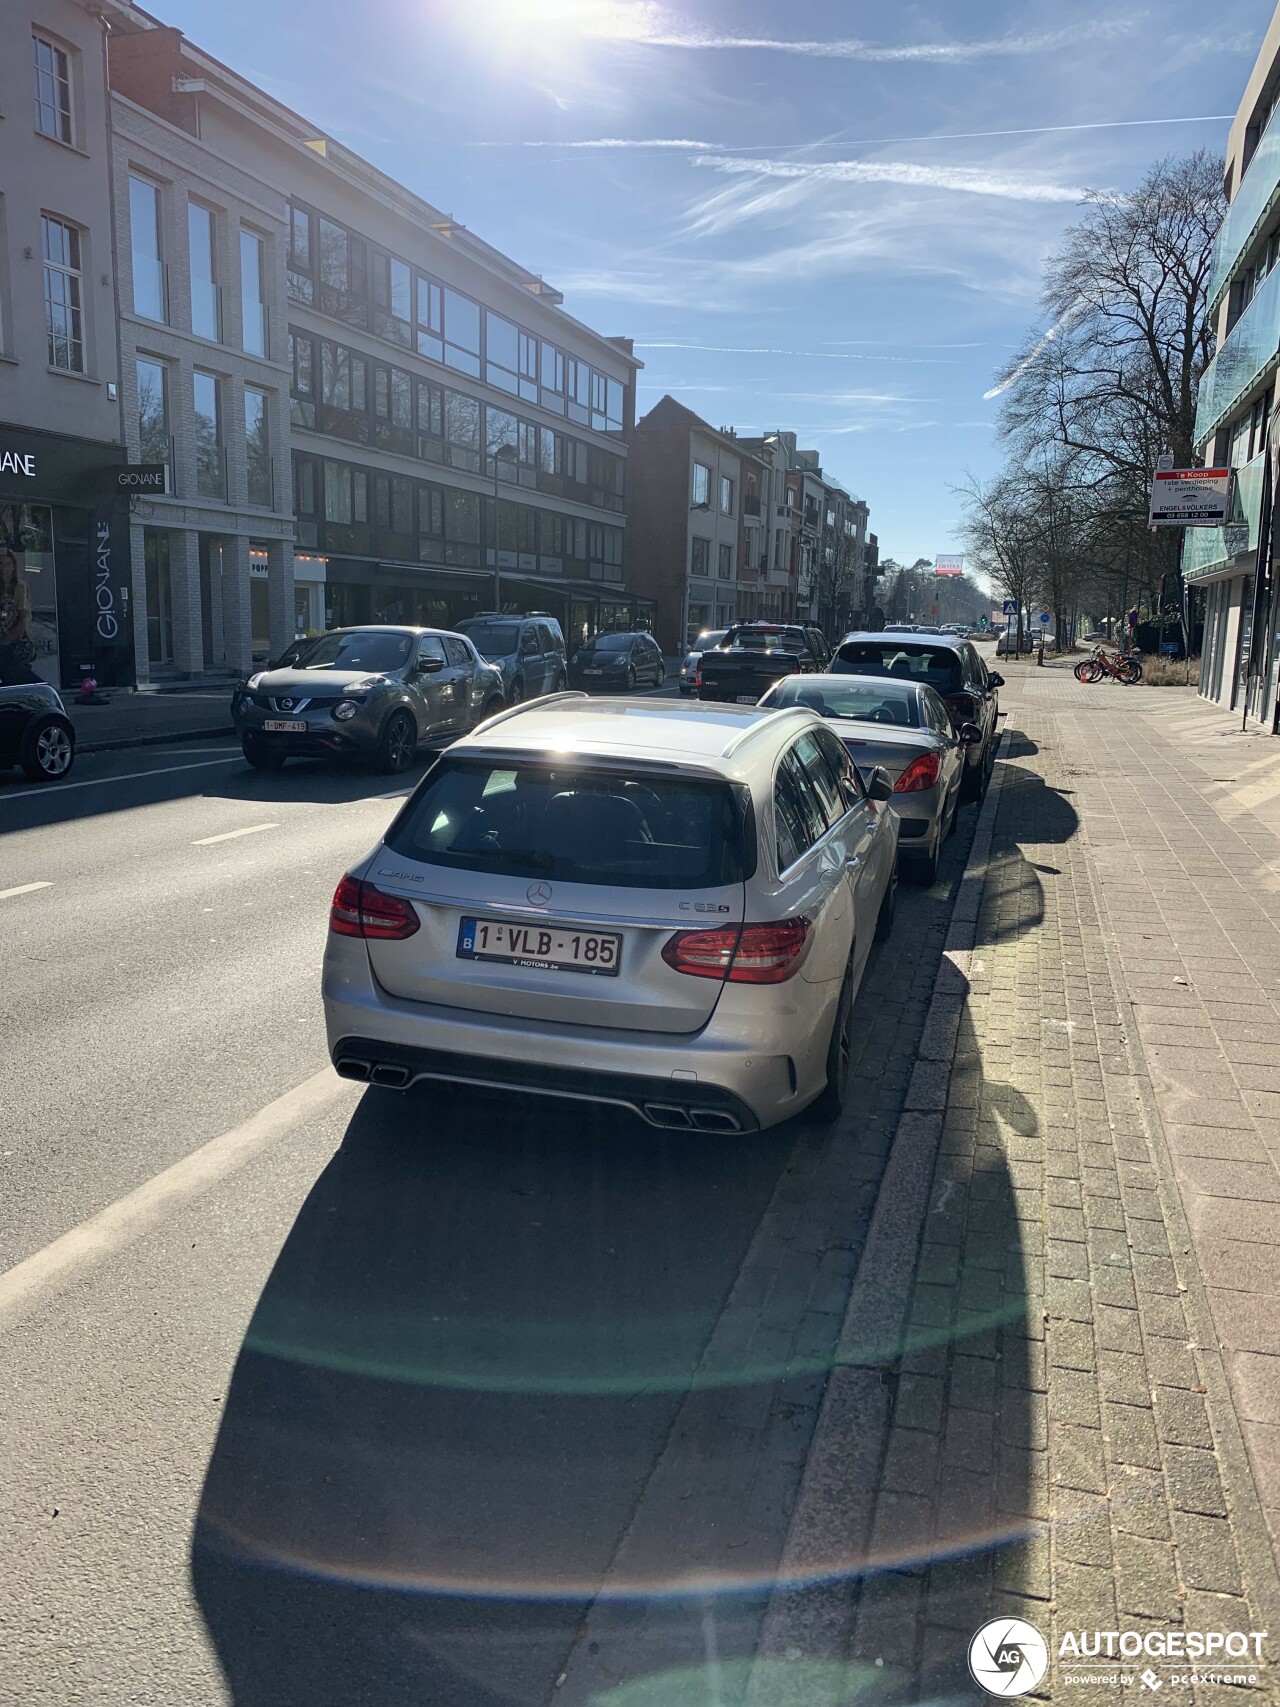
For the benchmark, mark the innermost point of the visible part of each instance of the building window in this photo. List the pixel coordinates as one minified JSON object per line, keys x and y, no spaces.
{"x":726,"y":495}
{"x":461,"y":333}
{"x":52,"y":90}
{"x":257,"y":443}
{"x":253,"y":257}
{"x":528,"y":367}
{"x":206,"y":316}
{"x":462,"y":431}
{"x":301,"y":256}
{"x":149,"y":297}
{"x":726,"y":563}
{"x":701,"y":484}
{"x":344,"y":274}
{"x":153,"y":410}
{"x":551,"y":371}
{"x":64,"y":326}
{"x":207,"y":407}
{"x":302,"y":364}
{"x":502,"y":353}
{"x":346,"y":494}
{"x":392,"y":299}
{"x":579,"y":392}
{"x":429,"y":318}
{"x":462,"y":527}
{"x":701,"y":557}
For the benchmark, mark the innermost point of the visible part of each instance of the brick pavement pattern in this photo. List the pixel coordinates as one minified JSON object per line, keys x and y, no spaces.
{"x":1082,"y":1420}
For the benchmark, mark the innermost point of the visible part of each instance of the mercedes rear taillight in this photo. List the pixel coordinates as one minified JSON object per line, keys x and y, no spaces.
{"x":920,"y":774}
{"x":361,"y":910}
{"x":752,"y":954}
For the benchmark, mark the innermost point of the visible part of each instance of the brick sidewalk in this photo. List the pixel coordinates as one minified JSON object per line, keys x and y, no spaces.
{"x":149,"y":719}
{"x":1082,"y":1424}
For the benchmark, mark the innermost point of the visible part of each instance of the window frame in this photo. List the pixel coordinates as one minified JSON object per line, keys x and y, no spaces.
{"x":141,"y":359}
{"x":701,"y":488}
{"x":267,"y":503}
{"x":61,"y":78}
{"x":72,"y":272}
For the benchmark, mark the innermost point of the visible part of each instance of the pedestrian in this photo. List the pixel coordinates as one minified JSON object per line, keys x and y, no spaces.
{"x":17,"y":648}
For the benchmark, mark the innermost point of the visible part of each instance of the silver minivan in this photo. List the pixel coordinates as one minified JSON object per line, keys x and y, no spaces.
{"x":632,"y":901}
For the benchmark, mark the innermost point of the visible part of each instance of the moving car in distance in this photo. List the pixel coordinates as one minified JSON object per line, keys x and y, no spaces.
{"x":619,"y":661}
{"x":754,"y":655}
{"x":529,"y":650}
{"x":689,"y":667}
{"x":374,"y":693}
{"x":660,"y":906}
{"x":35,"y":731}
{"x":1007,"y":645}
{"x":956,"y":673}
{"x":903,"y":727}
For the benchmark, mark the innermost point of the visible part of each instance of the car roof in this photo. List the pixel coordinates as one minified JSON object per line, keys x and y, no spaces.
{"x":841,"y":679}
{"x":728,"y":740}
{"x":952,"y":642}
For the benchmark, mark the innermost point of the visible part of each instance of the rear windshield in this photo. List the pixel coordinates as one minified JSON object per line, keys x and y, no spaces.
{"x":373,"y":650}
{"x":577,"y":825}
{"x":767,"y":640}
{"x":708,"y":638}
{"x":865,"y":702}
{"x":493,"y":639}
{"x":938,"y":666}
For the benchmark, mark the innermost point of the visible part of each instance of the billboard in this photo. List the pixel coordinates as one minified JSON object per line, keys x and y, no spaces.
{"x":948,"y":564}
{"x":1191,"y":497}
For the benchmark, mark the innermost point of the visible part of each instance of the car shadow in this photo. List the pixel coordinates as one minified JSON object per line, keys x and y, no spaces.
{"x":1044,"y":816}
{"x":468,"y":1355}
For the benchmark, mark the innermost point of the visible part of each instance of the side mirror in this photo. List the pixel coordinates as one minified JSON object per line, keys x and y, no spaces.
{"x":995,"y":681}
{"x":879,"y":784}
{"x":970,"y":735}
{"x":428,"y":666}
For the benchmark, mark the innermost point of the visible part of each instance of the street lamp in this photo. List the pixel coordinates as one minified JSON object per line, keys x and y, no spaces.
{"x":504,"y":453}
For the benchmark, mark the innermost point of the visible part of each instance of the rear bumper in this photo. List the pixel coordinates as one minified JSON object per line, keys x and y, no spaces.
{"x":726,"y":1077}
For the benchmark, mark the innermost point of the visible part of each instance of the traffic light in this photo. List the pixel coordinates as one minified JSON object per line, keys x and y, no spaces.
{"x":983,"y":622}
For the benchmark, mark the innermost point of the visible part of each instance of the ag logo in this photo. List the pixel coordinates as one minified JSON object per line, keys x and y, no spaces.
{"x":1008,"y":1657}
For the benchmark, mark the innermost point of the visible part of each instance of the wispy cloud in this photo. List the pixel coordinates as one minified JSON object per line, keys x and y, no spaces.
{"x":692,"y":145}
{"x":1060,"y":325}
{"x":968,"y":180}
{"x":641,"y":22}
{"x":825,"y":355}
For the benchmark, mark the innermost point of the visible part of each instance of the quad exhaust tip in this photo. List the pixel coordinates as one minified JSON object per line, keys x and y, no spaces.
{"x":672,"y":1117}
{"x":377,"y":1073}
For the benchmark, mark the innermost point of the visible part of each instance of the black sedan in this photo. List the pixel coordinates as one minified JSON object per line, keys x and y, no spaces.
{"x":956,"y":673}
{"x":35,"y":731}
{"x":618,"y":661}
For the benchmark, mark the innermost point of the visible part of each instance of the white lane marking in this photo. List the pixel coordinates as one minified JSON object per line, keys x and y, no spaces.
{"x":23,"y":889}
{"x":231,"y":835}
{"x":125,"y":1221}
{"x":47,"y":793}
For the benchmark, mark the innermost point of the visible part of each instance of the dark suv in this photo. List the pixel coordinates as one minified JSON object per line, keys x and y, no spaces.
{"x":529,"y":650}
{"x":365,"y":692}
{"x":950,"y":666}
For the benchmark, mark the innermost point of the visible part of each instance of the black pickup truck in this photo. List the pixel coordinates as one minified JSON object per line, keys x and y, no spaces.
{"x":754,"y":655}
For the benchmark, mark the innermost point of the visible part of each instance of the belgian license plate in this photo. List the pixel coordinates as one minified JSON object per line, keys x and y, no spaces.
{"x":285,"y":725}
{"x":545,"y":947}
{"x":747,"y":698}
{"x":593,"y":672}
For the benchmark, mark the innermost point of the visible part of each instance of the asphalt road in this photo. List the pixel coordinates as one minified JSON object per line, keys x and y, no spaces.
{"x":318,"y":1396}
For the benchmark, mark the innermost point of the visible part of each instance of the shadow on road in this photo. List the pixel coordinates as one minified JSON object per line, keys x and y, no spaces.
{"x":468,"y":1355}
{"x":1043,"y":816}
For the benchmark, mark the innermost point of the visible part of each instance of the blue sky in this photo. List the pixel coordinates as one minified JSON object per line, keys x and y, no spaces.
{"x":830,"y":217}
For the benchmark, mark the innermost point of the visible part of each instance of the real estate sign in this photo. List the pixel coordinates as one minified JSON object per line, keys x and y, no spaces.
{"x":1191,"y":497}
{"x":947,"y":564}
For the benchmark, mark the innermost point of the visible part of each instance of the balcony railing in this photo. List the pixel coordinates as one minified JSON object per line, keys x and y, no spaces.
{"x":1209,"y":549}
{"x":751,"y":507}
{"x":1246,"y":353}
{"x":1258,"y":193}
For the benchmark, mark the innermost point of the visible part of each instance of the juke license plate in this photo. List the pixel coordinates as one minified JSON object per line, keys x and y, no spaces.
{"x":544,"y":947}
{"x":284,"y":725}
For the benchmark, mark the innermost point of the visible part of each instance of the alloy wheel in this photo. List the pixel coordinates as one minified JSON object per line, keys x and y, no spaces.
{"x":54,"y":751}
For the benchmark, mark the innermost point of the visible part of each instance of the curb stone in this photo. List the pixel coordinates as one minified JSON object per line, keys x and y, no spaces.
{"x":124,"y":742}
{"x":838,"y":1491}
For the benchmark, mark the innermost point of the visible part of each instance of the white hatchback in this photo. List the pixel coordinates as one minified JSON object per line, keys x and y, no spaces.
{"x":661,"y":906}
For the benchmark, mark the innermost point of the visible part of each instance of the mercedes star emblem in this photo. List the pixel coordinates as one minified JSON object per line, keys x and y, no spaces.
{"x":539,"y":894}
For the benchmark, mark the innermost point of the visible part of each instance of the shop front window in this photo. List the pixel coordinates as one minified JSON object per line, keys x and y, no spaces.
{"x":28,"y":596}
{"x":155,"y":552}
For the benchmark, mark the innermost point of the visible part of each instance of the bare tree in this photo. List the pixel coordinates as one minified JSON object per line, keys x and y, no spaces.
{"x":1114,"y":382}
{"x":1002,"y":537}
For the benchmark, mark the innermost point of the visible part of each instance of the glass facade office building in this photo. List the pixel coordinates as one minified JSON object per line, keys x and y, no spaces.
{"x":1235,"y":419}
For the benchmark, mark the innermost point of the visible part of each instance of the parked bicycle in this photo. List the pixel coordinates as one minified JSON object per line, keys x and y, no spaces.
{"x":1113,"y":664}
